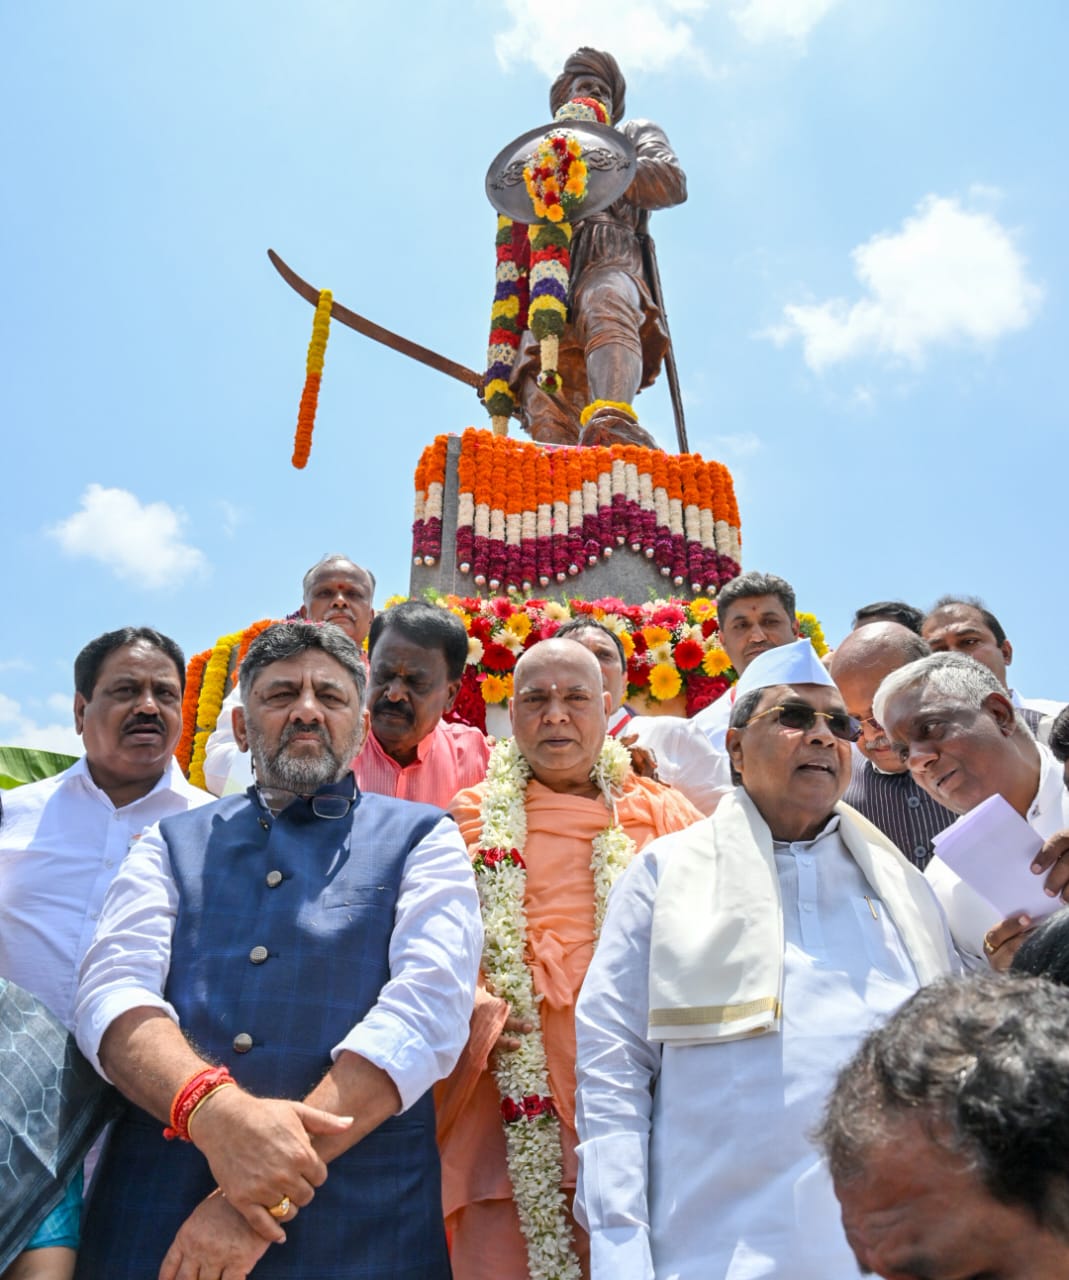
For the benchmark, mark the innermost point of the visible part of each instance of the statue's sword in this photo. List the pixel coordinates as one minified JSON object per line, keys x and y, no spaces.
{"x":376,"y":332}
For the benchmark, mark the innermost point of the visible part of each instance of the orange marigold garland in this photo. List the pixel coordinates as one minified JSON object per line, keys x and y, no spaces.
{"x":306,"y":414}
{"x":194,"y":677}
{"x":530,"y":513}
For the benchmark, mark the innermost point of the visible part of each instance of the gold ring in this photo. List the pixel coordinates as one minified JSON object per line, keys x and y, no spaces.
{"x":988,"y":948}
{"x":281,"y":1209}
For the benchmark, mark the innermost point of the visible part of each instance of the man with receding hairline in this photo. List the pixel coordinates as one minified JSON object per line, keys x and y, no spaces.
{"x":881,"y":786}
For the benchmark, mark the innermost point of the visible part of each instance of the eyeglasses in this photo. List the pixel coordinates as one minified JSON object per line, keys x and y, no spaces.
{"x":331,"y":805}
{"x":797,"y":715}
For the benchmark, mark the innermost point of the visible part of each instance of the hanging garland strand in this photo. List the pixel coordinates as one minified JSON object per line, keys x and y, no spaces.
{"x":306,"y":414}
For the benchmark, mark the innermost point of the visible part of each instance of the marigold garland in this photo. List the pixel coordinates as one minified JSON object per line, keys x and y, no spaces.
{"x":526,"y":512}
{"x":532,"y":1127}
{"x":210,"y":703}
{"x":306,"y":414}
{"x":508,"y":319}
{"x":194,"y":678}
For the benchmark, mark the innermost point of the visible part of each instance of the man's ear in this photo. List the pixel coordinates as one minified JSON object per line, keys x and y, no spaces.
{"x":734,"y":746}
{"x":1006,"y":649}
{"x":1002,"y":711}
{"x":303,"y":611}
{"x":512,"y":723}
{"x":80,"y":701}
{"x":451,"y":691}
{"x":241,"y":732}
{"x":607,"y":699}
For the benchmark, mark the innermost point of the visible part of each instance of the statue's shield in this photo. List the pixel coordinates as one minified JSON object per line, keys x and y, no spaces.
{"x":609,"y":156}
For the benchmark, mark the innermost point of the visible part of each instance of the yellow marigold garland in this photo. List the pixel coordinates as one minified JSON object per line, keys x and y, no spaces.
{"x":212,"y":693}
{"x":619,"y":405}
{"x":317,"y":347}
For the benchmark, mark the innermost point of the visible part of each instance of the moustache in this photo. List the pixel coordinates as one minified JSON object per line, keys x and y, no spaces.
{"x":385,"y":707}
{"x":291,"y":730}
{"x":142,"y":721}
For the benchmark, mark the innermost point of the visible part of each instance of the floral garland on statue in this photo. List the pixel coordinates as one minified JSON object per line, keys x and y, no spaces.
{"x":508,"y":319}
{"x":532,"y":1128}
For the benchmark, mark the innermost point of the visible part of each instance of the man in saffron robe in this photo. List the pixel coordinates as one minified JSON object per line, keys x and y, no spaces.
{"x":558,"y":716}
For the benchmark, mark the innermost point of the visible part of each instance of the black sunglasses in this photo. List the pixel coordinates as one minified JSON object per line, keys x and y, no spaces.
{"x":797,"y":715}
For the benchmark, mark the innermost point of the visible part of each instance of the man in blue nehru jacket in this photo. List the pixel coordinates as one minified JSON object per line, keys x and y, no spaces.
{"x":279,"y":982}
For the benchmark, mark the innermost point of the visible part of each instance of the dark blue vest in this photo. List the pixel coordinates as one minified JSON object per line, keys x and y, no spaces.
{"x":281,"y":945}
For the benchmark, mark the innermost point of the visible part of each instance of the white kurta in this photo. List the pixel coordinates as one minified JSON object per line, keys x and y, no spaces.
{"x":685,"y":758}
{"x":695,"y":1160}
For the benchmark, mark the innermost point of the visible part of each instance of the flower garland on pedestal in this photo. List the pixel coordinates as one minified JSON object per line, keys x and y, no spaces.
{"x":532,"y":1128}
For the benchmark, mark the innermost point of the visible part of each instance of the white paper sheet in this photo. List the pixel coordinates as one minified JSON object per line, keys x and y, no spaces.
{"x":982,"y":872}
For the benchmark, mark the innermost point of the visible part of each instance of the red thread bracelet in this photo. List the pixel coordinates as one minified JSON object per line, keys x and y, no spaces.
{"x":195,"y":1091}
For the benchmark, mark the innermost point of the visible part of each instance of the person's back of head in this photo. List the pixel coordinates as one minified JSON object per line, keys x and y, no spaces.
{"x":906,"y":615}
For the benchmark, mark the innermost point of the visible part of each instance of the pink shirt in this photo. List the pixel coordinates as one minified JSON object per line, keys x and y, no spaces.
{"x":448,"y":760}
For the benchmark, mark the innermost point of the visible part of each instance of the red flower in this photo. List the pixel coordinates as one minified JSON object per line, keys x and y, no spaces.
{"x":688,"y":655}
{"x":638,"y":674}
{"x":668,"y":615}
{"x":502,"y":607}
{"x":496,"y":657}
{"x":639,"y":641}
{"x":710,"y":627}
{"x":481,"y":629}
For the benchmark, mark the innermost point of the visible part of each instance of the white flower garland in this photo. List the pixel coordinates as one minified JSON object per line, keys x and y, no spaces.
{"x":532,"y":1129}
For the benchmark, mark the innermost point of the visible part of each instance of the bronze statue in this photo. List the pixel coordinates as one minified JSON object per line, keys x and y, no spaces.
{"x":615,"y":338}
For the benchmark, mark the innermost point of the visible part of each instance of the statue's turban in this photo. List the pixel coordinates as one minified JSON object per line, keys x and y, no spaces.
{"x":590,"y":62}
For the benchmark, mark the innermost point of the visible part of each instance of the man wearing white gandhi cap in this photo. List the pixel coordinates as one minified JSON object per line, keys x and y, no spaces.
{"x":740,"y":963}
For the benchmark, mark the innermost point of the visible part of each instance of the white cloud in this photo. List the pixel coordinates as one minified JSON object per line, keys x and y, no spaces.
{"x":17,"y":729}
{"x":644,"y":35}
{"x":141,"y":543}
{"x":763,"y":20}
{"x":15,"y":664}
{"x":233,"y":516}
{"x":949,"y":275}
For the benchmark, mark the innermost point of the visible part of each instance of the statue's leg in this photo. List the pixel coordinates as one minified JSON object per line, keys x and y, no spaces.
{"x":608,"y":319}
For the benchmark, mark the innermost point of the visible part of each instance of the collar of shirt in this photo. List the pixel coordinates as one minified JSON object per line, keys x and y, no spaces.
{"x":423,"y":749}
{"x":171,"y":781}
{"x":617,"y":720}
{"x":831,"y":826}
{"x":1049,"y":810}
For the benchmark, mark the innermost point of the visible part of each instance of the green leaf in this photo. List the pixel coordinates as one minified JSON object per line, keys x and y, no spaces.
{"x":19,"y":765}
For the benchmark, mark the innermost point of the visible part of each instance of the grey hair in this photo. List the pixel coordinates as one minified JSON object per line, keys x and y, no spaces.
{"x":287,"y":639}
{"x":982,"y":1064}
{"x":335,"y":558}
{"x":963,"y":680}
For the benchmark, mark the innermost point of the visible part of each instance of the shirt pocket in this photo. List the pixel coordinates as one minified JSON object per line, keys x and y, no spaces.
{"x":883,"y":945}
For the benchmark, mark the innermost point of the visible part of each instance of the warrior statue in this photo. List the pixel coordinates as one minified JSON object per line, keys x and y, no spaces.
{"x":615,"y":338}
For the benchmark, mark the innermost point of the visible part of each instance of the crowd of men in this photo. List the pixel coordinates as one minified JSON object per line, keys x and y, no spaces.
{"x":618,"y":996}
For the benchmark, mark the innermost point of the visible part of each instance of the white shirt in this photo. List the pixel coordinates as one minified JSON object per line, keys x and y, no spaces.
{"x":1045,"y":706}
{"x":695,"y":1162}
{"x":61,"y":843}
{"x":415,"y":1030}
{"x":227,"y":769}
{"x":966,"y":909}
{"x":685,"y":758}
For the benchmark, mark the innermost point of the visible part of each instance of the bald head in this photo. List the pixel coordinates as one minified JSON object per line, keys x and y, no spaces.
{"x":559,"y":710}
{"x":858,"y":666}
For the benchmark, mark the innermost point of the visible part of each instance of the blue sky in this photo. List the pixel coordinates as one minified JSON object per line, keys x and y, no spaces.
{"x":867,"y":291}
